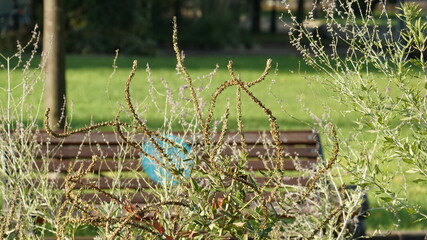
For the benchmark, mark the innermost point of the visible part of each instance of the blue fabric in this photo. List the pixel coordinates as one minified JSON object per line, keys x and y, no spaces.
{"x":179,"y":158}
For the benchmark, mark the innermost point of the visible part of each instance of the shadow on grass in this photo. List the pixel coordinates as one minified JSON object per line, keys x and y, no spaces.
{"x":385,"y":220}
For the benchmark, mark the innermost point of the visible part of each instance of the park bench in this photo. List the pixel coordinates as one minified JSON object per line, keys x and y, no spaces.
{"x":78,"y":149}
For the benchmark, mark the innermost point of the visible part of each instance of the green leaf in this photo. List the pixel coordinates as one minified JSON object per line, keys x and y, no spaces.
{"x":411,"y":210}
{"x":412,"y":170}
{"x":365,"y":184}
{"x":387,"y":199}
{"x":212,"y":226}
{"x":408,"y":160}
{"x":418,"y":180}
{"x":195,"y":185}
{"x":377,"y":169}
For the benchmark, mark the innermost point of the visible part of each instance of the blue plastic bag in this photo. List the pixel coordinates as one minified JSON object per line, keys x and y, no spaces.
{"x":179,"y":157}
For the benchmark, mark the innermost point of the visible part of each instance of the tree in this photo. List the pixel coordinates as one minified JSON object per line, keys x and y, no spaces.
{"x":256,"y":16}
{"x":300,"y":11}
{"x":54,"y":48}
{"x":273,"y":18}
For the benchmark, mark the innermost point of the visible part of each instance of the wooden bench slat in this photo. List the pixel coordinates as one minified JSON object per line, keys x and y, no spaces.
{"x":79,"y":148}
{"x":136,"y":198}
{"x":82,"y":146}
{"x":108,"y":183}
{"x":101,"y":166}
{"x":85,"y":151}
{"x":288,"y":165}
{"x":135,"y":165}
{"x":288,"y":137}
{"x":145,"y":183}
{"x":141,"y":198}
{"x":258,"y":150}
{"x":73,"y":151}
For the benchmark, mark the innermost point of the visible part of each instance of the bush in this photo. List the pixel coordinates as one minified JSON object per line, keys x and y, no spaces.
{"x":24,"y":189}
{"x":382,"y":85}
{"x":32,"y":209}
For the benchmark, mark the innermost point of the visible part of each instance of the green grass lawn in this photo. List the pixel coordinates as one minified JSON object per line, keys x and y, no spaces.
{"x":93,"y":95}
{"x":100,"y":97}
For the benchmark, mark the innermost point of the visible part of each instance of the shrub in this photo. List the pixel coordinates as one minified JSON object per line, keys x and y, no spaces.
{"x":31,"y":207}
{"x":24,"y":189}
{"x":379,"y":76}
{"x":190,"y":209}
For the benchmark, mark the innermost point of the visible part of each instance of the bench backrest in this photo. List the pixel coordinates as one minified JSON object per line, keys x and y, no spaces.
{"x":79,"y":148}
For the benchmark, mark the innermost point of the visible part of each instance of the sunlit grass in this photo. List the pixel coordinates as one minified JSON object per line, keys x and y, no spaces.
{"x":93,"y":94}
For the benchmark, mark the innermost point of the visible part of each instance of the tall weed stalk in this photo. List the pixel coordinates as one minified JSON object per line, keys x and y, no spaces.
{"x":220,"y":199}
{"x":27,"y":200}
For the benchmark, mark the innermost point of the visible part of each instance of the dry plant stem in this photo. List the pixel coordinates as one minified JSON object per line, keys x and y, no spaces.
{"x":149,"y":134}
{"x":263,"y":75}
{"x":239,"y":120}
{"x":141,"y":211}
{"x":154,"y":205}
{"x":77,"y":203}
{"x":60,"y":224}
{"x":315,"y":178}
{"x":21,"y":49}
{"x":60,"y":228}
{"x":101,"y":220}
{"x":122,"y":225}
{"x":89,"y":210}
{"x":233,"y":176}
{"x":221,"y":139}
{"x":70,"y":184}
{"x":129,"y":102}
{"x":328,"y":218}
{"x":274,"y":128}
{"x":94,"y":187}
{"x":233,"y":82}
{"x":96,"y":220}
{"x":68,"y":133}
{"x":180,"y":63}
{"x":212,"y":102}
{"x":258,"y":80}
{"x":216,"y":148}
{"x":11,"y":212}
{"x":143,"y":127}
{"x":19,"y":229}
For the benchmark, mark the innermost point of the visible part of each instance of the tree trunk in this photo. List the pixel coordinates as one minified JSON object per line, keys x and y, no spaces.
{"x":273,"y":18}
{"x":256,"y":16}
{"x":54,"y":49}
{"x":300,"y":11}
{"x":177,"y":11}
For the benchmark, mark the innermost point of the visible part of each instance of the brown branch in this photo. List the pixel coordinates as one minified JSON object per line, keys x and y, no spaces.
{"x":181,"y":66}
{"x":68,"y":133}
{"x":274,"y":127}
{"x":239,"y":120}
{"x":312,"y":182}
{"x":263,"y":75}
{"x":222,"y":134}
{"x":328,"y":218}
